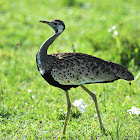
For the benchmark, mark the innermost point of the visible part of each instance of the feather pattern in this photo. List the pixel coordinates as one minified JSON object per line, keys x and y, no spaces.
{"x":78,"y":68}
{"x":67,"y":70}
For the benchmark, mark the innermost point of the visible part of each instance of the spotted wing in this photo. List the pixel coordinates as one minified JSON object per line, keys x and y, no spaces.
{"x":76,"y":69}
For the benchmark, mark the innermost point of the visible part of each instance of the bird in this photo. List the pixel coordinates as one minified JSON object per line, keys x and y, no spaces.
{"x":70,"y":70}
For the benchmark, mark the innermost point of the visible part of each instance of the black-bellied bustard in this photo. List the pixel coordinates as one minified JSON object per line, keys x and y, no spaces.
{"x":67,"y":70}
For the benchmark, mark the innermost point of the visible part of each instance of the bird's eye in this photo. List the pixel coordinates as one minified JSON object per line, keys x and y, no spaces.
{"x":55,"y":23}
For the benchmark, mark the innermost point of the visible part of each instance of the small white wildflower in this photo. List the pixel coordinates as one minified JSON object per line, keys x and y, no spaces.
{"x":82,"y":109}
{"x":29,"y":90}
{"x":80,"y":104}
{"x":115,"y":32}
{"x":134,"y":110}
{"x":111,"y":28}
{"x":77,"y":103}
{"x":33,"y":96}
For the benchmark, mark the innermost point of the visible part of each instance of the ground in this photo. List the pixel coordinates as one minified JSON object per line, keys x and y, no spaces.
{"x":32,"y":109}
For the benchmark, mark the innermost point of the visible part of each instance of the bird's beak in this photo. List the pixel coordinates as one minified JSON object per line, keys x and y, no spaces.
{"x":50,"y":24}
{"x":45,"y":22}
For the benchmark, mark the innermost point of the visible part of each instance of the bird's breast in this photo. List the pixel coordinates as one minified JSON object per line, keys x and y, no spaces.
{"x":40,"y":64}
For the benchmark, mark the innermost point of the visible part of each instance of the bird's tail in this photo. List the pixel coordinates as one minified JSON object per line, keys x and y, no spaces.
{"x":124,"y":73}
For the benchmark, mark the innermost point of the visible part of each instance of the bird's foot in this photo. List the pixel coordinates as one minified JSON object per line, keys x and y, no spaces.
{"x":105,"y":132}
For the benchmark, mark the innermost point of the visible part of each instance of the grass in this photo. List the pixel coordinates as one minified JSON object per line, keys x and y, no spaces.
{"x":39,"y":113}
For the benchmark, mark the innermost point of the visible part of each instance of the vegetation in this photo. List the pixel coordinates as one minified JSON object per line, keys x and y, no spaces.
{"x":32,"y":109}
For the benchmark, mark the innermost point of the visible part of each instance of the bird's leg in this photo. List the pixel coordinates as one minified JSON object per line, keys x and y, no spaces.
{"x":68,"y":111}
{"x":96,"y":105}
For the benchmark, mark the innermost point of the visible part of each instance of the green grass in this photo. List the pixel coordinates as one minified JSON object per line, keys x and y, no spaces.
{"x":39,"y":114}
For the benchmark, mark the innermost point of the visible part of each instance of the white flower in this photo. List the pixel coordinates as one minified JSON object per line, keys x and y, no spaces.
{"x":115,"y":32}
{"x":29,"y":90}
{"x":80,"y":104}
{"x":112,"y":28}
{"x":33,"y":96}
{"x":134,"y":110}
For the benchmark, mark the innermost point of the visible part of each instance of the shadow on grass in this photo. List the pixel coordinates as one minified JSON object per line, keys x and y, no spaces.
{"x":5,"y":114}
{"x":74,"y":114}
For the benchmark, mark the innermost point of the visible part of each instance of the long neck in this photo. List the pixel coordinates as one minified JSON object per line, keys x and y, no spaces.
{"x":44,"y":47}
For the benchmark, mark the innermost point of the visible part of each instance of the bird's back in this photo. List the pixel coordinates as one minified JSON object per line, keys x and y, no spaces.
{"x":78,"y":68}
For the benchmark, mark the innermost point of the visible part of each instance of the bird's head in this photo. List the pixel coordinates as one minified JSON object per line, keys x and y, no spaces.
{"x":56,"y":24}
